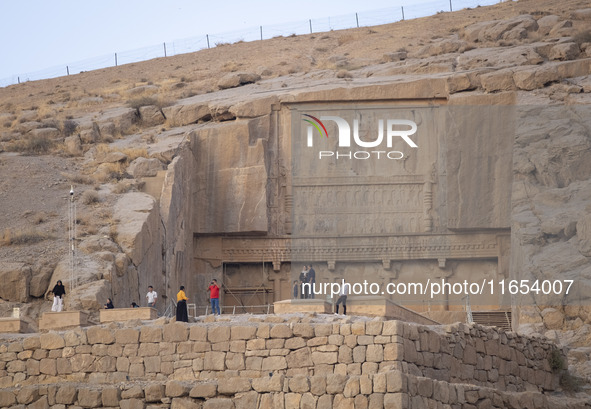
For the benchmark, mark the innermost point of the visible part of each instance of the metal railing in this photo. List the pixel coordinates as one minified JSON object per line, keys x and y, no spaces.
{"x":241,"y":309}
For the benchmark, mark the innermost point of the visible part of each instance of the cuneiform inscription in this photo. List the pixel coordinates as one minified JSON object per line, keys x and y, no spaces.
{"x":358,"y":209}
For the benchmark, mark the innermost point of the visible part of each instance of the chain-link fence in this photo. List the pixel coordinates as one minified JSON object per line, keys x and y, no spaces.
{"x":187,"y":45}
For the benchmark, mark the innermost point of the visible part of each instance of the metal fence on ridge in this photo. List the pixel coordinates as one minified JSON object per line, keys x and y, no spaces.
{"x":188,"y":45}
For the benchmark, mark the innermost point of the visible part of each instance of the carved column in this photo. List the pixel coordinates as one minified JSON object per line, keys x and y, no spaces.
{"x":427,"y":206}
{"x":276,"y":289}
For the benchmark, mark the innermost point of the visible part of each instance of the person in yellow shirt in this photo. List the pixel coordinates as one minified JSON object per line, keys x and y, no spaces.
{"x":181,"y":305}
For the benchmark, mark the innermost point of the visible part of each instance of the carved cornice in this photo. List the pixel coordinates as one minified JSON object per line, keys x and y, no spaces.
{"x":412,"y":247}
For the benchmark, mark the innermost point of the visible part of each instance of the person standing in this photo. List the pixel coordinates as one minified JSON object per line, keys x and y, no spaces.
{"x":181,"y":305}
{"x":311,"y":280}
{"x":58,"y":296}
{"x":304,"y":280}
{"x":296,"y":289}
{"x":214,"y":296}
{"x":345,"y":289}
{"x":152,"y":296}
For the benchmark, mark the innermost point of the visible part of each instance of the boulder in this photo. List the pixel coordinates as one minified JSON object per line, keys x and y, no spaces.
{"x":546,"y":23}
{"x":499,"y":58}
{"x":95,"y":244}
{"x":501,"y":80}
{"x":254,"y":107}
{"x":46,"y":133}
{"x":15,"y":278}
{"x":25,"y":127}
{"x":112,"y":157}
{"x":73,"y":145}
{"x":582,"y":14}
{"x":90,"y":135}
{"x":116,"y":120}
{"x":89,"y":269}
{"x":40,"y":281}
{"x":534,"y":78}
{"x":188,"y":111}
{"x":514,"y":28}
{"x":563,"y":29}
{"x":90,"y":296}
{"x":144,"y":167}
{"x":564,"y":51}
{"x":151,"y":115}
{"x":236,"y":79}
{"x":553,"y":319}
{"x":444,"y":46}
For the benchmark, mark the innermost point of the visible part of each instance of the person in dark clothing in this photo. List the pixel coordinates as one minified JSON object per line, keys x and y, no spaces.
{"x":134,"y":305}
{"x":311,"y":280}
{"x":304,"y":280}
{"x":296,"y":289}
{"x":181,"y":306}
{"x":58,"y":296}
{"x":345,"y":290}
{"x":109,"y":305}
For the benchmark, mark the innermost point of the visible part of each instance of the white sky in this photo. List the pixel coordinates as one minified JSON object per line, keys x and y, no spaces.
{"x":39,"y":34}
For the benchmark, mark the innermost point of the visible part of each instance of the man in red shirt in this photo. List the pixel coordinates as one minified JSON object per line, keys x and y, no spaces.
{"x":214,"y":296}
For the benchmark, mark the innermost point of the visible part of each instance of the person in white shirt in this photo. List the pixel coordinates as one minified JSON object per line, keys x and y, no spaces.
{"x":152,"y":296}
{"x":345,"y":290}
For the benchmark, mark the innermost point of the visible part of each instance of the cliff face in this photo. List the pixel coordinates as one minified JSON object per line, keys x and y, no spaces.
{"x":179,"y":181}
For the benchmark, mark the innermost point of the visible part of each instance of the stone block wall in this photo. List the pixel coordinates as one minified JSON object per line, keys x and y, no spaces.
{"x":457,"y":353}
{"x":391,"y":389}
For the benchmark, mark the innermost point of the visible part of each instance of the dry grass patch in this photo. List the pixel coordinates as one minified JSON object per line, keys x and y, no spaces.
{"x":90,"y":197}
{"x":21,"y":236}
{"x":78,"y":179}
{"x":123,"y":186}
{"x":231,"y":66}
{"x":32,"y":145}
{"x":160,"y":102}
{"x":108,"y":172}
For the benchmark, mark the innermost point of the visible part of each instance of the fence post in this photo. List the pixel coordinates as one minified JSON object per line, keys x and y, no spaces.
{"x":357,"y":19}
{"x":261,"y":33}
{"x":68,"y":70}
{"x":207,"y":36}
{"x":164,"y":49}
{"x":450,"y":9}
{"x":19,"y":79}
{"x":402,"y":12}
{"x":115,"y":59}
{"x":310,"y":25}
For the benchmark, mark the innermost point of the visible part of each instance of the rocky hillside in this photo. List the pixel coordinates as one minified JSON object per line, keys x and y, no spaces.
{"x":116,"y":135}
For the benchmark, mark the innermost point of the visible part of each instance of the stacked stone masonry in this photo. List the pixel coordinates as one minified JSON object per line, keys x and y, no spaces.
{"x":281,"y":364}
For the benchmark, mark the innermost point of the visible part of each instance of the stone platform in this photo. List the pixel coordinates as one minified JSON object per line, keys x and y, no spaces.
{"x":370,"y":306}
{"x":376,"y":306}
{"x":317,"y":305}
{"x":62,"y":320}
{"x":126,"y":314}
{"x":12,"y":325}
